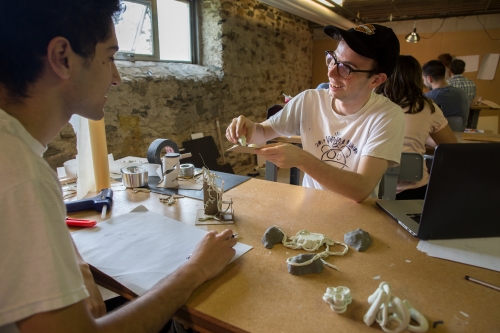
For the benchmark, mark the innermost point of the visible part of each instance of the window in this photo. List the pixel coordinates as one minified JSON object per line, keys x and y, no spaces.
{"x":158,"y":30}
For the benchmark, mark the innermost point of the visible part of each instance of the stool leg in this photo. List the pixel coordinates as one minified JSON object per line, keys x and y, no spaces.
{"x":294,"y":176}
{"x":271,"y":171}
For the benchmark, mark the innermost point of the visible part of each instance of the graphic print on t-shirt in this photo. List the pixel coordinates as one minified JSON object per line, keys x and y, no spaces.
{"x":336,"y":150}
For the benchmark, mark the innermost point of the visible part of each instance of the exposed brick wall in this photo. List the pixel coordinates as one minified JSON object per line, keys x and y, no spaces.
{"x":251,"y":53}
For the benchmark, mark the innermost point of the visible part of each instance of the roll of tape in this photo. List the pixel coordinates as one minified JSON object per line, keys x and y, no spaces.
{"x":187,"y":170}
{"x":134,"y":176}
{"x":155,"y":148}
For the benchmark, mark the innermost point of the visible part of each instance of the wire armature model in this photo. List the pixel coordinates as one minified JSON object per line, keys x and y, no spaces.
{"x":212,"y":200}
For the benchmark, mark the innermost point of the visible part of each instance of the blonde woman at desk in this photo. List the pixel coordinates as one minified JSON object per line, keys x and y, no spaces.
{"x":422,"y":118}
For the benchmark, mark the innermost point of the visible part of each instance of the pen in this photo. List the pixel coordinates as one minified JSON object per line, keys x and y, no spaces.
{"x":483,"y":283}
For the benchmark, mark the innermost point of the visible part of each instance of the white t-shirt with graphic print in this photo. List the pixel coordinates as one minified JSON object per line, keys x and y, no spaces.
{"x":376,"y":130}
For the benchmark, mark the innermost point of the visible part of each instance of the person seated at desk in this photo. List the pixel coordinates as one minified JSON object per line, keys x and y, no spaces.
{"x":446,"y":59}
{"x":453,"y":101}
{"x":457,"y":80}
{"x":56,"y":60}
{"x":350,"y":134}
{"x":422,"y":118}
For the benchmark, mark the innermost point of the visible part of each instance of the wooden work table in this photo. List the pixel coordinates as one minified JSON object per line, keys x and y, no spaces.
{"x":482,"y":108}
{"x":257,"y":294}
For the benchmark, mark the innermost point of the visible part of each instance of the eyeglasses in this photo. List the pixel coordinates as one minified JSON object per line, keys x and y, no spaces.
{"x":343,"y":70}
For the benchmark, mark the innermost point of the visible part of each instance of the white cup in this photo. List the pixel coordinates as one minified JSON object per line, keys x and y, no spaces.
{"x":71,"y":168}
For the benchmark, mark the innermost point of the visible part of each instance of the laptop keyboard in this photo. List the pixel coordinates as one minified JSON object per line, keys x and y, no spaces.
{"x":415,"y":217}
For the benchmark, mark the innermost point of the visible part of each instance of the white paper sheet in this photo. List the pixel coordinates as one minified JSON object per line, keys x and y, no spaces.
{"x":488,"y":67}
{"x":140,"y":248}
{"x":471,"y":62}
{"x":481,"y":252}
{"x":491,"y":104}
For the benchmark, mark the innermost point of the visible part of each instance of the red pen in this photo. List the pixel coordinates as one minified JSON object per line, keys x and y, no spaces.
{"x":80,"y":223}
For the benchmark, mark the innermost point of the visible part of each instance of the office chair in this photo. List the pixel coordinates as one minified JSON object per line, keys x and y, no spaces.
{"x":455,"y":123}
{"x":411,"y":168}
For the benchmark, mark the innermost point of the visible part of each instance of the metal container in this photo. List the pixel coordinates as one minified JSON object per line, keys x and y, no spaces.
{"x":134,"y":176}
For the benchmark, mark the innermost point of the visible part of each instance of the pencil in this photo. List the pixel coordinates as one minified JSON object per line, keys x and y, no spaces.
{"x":483,"y":283}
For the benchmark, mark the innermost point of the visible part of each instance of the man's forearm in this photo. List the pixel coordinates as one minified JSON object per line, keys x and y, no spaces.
{"x":263,"y":132}
{"x":151,"y":311}
{"x":353,"y":185}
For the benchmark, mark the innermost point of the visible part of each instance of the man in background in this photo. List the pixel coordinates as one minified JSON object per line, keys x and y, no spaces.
{"x":457,"y":67}
{"x":56,"y":60}
{"x":350,"y":134}
{"x":452,"y":101}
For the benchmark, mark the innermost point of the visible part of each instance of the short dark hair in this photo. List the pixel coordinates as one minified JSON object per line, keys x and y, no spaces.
{"x":434,"y":69}
{"x":457,"y":66}
{"x":405,"y":87}
{"x":27,"y":27}
{"x":446,"y":59}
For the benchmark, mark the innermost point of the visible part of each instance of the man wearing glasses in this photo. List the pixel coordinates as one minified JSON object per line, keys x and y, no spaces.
{"x":350,"y":135}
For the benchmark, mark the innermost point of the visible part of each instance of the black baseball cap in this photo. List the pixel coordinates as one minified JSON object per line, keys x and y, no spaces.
{"x":372,"y":41}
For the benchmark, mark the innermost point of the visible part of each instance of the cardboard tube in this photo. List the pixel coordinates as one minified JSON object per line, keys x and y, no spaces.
{"x":99,"y":154}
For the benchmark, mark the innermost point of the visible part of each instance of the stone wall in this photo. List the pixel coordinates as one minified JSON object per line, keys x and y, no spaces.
{"x":251,"y":53}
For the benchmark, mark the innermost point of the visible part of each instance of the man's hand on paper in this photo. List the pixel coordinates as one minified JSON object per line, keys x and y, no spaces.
{"x":238,"y":127}
{"x":213,"y":253}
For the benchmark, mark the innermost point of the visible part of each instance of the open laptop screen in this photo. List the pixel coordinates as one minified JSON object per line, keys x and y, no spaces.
{"x":463,"y":193}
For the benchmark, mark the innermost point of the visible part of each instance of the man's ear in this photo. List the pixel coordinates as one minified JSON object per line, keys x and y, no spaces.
{"x":60,"y":57}
{"x":378,"y":79}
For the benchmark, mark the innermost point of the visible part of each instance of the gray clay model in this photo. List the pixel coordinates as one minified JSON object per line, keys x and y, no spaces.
{"x":273,"y":235}
{"x":358,"y":239}
{"x":315,"y":267}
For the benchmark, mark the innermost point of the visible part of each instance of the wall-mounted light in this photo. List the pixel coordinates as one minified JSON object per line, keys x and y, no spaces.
{"x":413,"y":37}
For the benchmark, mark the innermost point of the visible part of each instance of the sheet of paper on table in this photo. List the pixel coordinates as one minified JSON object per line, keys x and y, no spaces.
{"x":140,"y":248}
{"x":491,"y":104}
{"x":481,"y":252}
{"x":242,"y":149}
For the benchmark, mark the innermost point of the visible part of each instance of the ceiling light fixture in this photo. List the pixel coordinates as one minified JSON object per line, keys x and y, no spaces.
{"x":413,"y":37}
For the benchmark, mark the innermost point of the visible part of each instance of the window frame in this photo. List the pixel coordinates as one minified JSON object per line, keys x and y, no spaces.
{"x":194,"y":27}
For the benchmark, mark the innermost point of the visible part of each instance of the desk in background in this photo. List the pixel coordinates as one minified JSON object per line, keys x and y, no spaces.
{"x":474,"y":114}
{"x":257,"y":294}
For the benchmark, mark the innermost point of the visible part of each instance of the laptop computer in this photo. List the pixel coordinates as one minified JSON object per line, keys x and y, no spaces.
{"x":462,"y":198}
